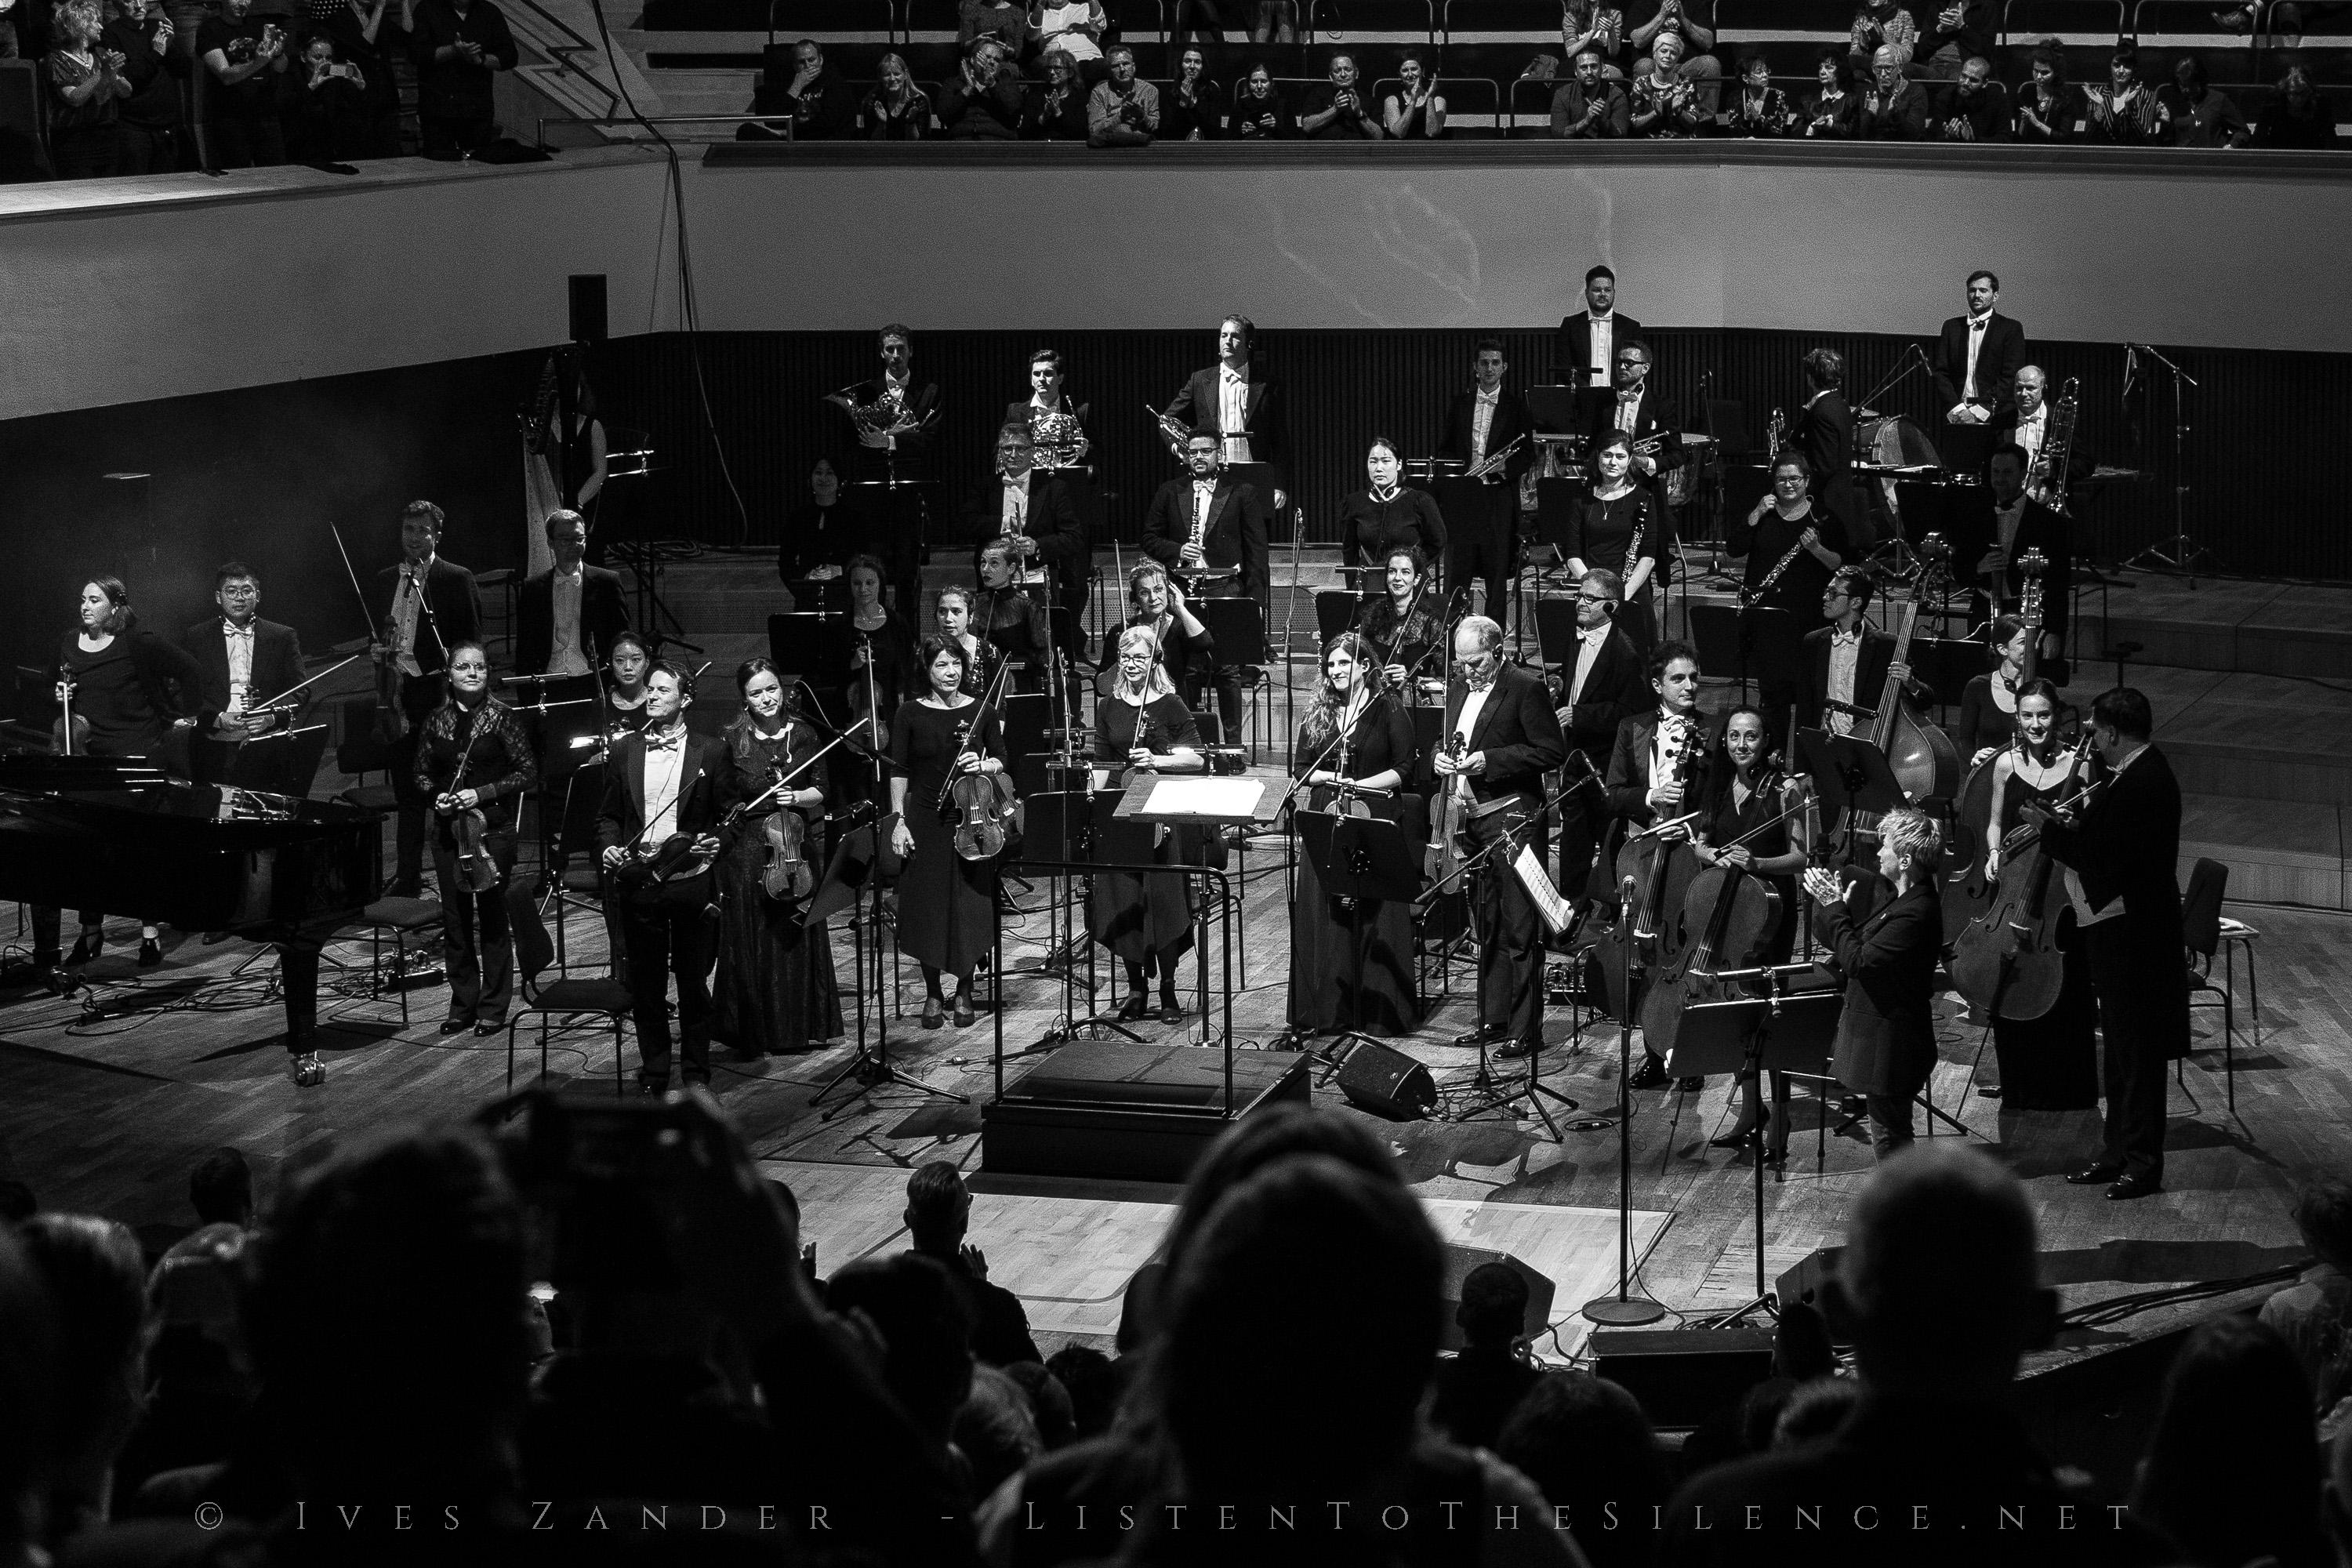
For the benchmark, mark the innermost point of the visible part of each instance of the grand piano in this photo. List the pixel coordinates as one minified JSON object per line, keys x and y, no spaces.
{"x":122,"y":835}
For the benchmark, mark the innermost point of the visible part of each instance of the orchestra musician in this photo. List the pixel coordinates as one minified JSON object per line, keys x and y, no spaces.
{"x":663,"y":784}
{"x":881,"y":640}
{"x":1886,"y":1044}
{"x":1643,"y":416}
{"x":433,"y":605}
{"x":1210,"y":529}
{"x":952,"y":611}
{"x":1236,"y":403}
{"x":1405,"y":626}
{"x":2048,"y":1063}
{"x":244,"y":661}
{"x":775,"y":989}
{"x":1625,"y":529}
{"x":1183,"y":646}
{"x":1509,"y":739}
{"x":625,"y":691}
{"x":1789,"y":559}
{"x":1142,"y":725}
{"x":1824,"y":432}
{"x":2026,"y":423}
{"x":1977,"y":360}
{"x":1386,"y":514}
{"x":819,"y":535}
{"x":131,"y":688}
{"x":474,"y":755}
{"x":1481,"y":423}
{"x":2119,"y":853}
{"x":1012,"y":623}
{"x":1657,"y":772}
{"x":1993,"y":544}
{"x":1056,"y":426}
{"x":1989,"y":702}
{"x":1377,"y":753}
{"x":1601,"y":687}
{"x":1847,"y":662}
{"x":1032,"y":506}
{"x":947,"y":905}
{"x":895,"y":418}
{"x":567,"y":616}
{"x":1585,"y":349}
{"x":1740,"y":802}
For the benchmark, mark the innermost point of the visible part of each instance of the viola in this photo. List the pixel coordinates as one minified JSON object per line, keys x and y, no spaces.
{"x":69,"y":736}
{"x":787,"y":873}
{"x":984,"y":805}
{"x":673,"y":858}
{"x":2007,"y":963}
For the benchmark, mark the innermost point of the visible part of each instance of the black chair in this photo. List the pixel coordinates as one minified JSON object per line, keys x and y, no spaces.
{"x":563,"y":1003}
{"x":2200,"y":933}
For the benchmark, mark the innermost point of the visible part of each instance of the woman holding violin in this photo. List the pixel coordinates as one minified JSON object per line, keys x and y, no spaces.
{"x":1141,"y":725}
{"x":1405,"y":626}
{"x":1355,"y":734}
{"x":2047,"y":1063}
{"x":1621,"y":526}
{"x":775,"y":990}
{"x":947,"y":903}
{"x":1988,"y":703}
{"x":1886,"y":1044}
{"x":474,"y":761}
{"x":123,"y":690}
{"x":1741,"y":827}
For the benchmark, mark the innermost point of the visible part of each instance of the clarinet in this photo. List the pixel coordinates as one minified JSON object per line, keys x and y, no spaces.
{"x":1750,"y":597}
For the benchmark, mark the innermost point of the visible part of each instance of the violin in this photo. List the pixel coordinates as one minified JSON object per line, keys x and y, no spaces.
{"x":1443,"y":863}
{"x":69,"y":736}
{"x":982,"y":804}
{"x":787,"y":873}
{"x":671,"y":859}
{"x":478,"y":870}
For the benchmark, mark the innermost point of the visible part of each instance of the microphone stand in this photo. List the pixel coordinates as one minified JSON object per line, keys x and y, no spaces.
{"x":2184,"y":551}
{"x":1626,"y":1310}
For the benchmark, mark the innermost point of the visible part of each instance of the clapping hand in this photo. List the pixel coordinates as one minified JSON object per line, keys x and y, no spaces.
{"x":1822,"y":887}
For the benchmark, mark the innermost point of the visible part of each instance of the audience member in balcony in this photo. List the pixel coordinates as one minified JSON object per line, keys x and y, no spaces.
{"x":1123,"y":111}
{"x":371,"y":34}
{"x":1417,"y":112}
{"x":1266,"y":21}
{"x":247,"y":57}
{"x":2200,"y":116}
{"x":2300,"y":118}
{"x":1894,"y":109}
{"x":1258,"y":110}
{"x":1074,"y":24}
{"x":1691,"y":24}
{"x":896,"y":109}
{"x":2127,"y":112}
{"x":1834,"y":111}
{"x":86,"y":85}
{"x":327,"y":117}
{"x":1589,"y":106}
{"x":147,"y":124}
{"x":1973,"y":107}
{"x":1193,"y":107}
{"x":818,"y":103}
{"x":1334,"y":110}
{"x":2289,"y":20}
{"x":1002,"y":20}
{"x":1962,"y":31}
{"x":458,"y":45}
{"x":1880,"y":24}
{"x":1059,"y":113}
{"x":1595,"y":25}
{"x":1761,"y":108}
{"x":1667,"y":102}
{"x":2047,"y":108}
{"x":984,"y":101}
{"x":2232,"y":1471}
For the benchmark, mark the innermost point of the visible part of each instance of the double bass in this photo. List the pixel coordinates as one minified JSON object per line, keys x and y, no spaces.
{"x":1922,"y":758}
{"x":2007,"y":963}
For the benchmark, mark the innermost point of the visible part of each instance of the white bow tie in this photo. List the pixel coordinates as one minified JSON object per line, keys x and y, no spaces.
{"x":673,"y":741}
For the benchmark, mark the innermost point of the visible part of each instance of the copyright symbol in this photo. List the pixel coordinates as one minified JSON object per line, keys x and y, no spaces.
{"x":208,"y":1516}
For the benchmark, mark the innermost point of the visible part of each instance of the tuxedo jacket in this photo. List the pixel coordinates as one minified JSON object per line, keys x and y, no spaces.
{"x":1263,"y":413}
{"x":706,"y":791}
{"x":1572,"y":346}
{"x":1869,"y":664}
{"x":1997,"y":363}
{"x":277,"y":666}
{"x":1517,"y":731}
{"x":456,"y":603}
{"x":914,"y":451}
{"x":604,"y":615}
{"x":1655,"y":418}
{"x":1628,"y":778}
{"x":2129,"y":845}
{"x":1615,"y":689}
{"x":2038,"y":529}
{"x":1823,"y":433}
{"x":1511,"y":419}
{"x":1236,"y":534}
{"x":1052,"y":521}
{"x":1886,"y":1032}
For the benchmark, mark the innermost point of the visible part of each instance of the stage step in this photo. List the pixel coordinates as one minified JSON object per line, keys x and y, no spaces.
{"x":2229,"y":624}
{"x":2278,"y":852}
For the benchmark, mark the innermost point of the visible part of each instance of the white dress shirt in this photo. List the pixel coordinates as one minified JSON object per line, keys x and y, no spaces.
{"x":1629,"y":409}
{"x":1588,"y":649}
{"x":2031,"y":432}
{"x":2085,"y":915}
{"x":238,"y":640}
{"x":1232,"y":413}
{"x":665,"y":766}
{"x":1015,"y":517}
{"x":1846,"y":654}
{"x":1205,"y":493}
{"x":1675,"y":736}
{"x":565,"y":655}
{"x":405,"y":600}
{"x":1482,"y":422}
{"x":1603,"y":330}
{"x":1977,"y":327}
{"x":1466,"y":725}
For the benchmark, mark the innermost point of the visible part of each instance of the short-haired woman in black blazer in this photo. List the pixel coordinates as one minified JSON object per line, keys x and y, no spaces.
{"x":1886,"y":1036}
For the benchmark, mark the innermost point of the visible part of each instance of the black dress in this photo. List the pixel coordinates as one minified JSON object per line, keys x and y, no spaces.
{"x":1605,"y":538}
{"x":1384,"y":1001}
{"x":1134,"y":915}
{"x":1724,"y":822}
{"x":1982,"y":720}
{"x":947,"y":904}
{"x":1369,"y":528}
{"x":1424,"y":636}
{"x":775,"y":990}
{"x":818,"y":536}
{"x":2049,"y":1063}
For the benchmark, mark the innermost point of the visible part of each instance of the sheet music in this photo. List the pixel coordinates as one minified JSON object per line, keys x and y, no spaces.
{"x":1540,"y":891}
{"x":1236,"y":799}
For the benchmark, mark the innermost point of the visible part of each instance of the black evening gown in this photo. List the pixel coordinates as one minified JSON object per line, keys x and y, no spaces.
{"x":1123,"y":913}
{"x":1384,"y":1002}
{"x":1983,"y":722}
{"x":2049,"y":1063}
{"x":775,"y":990}
{"x":947,"y":904}
{"x":1605,"y":538}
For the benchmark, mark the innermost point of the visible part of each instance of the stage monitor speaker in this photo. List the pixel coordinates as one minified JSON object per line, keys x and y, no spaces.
{"x":1387,"y":1082}
{"x":1682,"y":1376}
{"x":1460,"y":1260}
{"x":588,"y":308}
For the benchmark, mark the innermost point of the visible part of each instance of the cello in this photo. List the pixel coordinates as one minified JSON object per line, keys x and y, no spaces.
{"x":1968,"y":871}
{"x":1734,"y":914}
{"x":1656,"y":879}
{"x":2007,"y":964}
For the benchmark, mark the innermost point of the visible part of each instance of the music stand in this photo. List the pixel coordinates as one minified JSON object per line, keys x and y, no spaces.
{"x":1555,"y":507}
{"x":820,"y":595}
{"x":1236,"y":631}
{"x":812,"y":646}
{"x":1850,"y":774}
{"x":283,"y":761}
{"x":1336,"y":610}
{"x":1363,"y":859}
{"x":1720,"y":634}
{"x":1557,"y":410}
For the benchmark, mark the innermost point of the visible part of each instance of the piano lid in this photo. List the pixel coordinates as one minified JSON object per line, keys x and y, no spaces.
{"x":136,"y":788}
